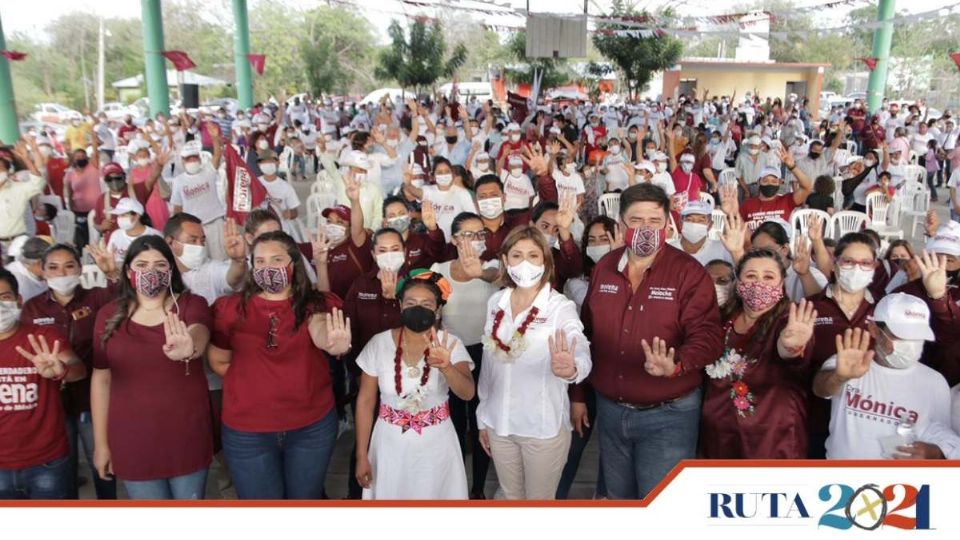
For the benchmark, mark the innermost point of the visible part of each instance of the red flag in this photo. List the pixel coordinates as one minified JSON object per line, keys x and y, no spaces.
{"x":518,"y":107}
{"x":13,"y":56}
{"x":180,"y":60}
{"x":870,"y":61}
{"x":258,"y":61}
{"x":244,"y":191}
{"x":955,"y":56}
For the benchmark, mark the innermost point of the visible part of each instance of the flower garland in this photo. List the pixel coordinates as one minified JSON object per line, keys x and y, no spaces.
{"x":412,"y":401}
{"x":509,"y":352}
{"x":733,"y":366}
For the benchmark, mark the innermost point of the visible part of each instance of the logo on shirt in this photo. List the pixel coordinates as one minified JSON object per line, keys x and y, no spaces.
{"x":196,"y":191}
{"x":607,"y":288}
{"x":662,"y":293}
{"x":822,"y":321}
{"x":875,"y":410}
{"x":16,"y":392}
{"x":338,"y":258}
{"x":367,"y":296}
{"x":44,"y":321}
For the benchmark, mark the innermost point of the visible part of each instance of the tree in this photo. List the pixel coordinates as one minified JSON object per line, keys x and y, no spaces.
{"x":555,"y":70}
{"x":276,"y":30}
{"x":637,"y":57}
{"x":336,"y":50}
{"x":418,"y":61}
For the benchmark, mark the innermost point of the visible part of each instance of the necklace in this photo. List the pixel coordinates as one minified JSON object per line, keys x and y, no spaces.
{"x":412,"y":371}
{"x":516,"y":345}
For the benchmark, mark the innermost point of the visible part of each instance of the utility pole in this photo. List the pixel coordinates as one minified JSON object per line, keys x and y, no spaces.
{"x":100,"y":68}
{"x":158,"y":91}
{"x":882,"y":40}
{"x":9,"y":128}
{"x":241,"y":48}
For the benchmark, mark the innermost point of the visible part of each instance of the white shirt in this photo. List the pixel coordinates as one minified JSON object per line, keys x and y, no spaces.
{"x":28,"y":284}
{"x":710,"y":250}
{"x":616,"y":177}
{"x":209,"y":280}
{"x":120,"y":241}
{"x":568,"y":185}
{"x":522,"y":396}
{"x":197,"y":194}
{"x":869,"y":408}
{"x":954,"y":182}
{"x":14,"y":200}
{"x":918,"y":142}
{"x":576,"y":290}
{"x":795,"y":287}
{"x":518,"y":191}
{"x":447,"y":204}
{"x":464,"y":314}
{"x":281,"y":197}
{"x":665,"y":181}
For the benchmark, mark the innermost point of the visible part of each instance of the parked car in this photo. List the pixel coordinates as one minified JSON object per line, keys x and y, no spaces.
{"x":117,"y":111}
{"x":54,"y":113}
{"x":212,"y":106}
{"x":857,"y":95}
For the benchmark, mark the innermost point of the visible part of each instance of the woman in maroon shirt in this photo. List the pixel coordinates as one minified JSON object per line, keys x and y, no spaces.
{"x":148,"y":394}
{"x":279,"y":423}
{"x":755,"y":401}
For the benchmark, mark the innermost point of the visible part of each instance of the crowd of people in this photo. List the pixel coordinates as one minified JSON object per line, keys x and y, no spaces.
{"x":489,"y":283}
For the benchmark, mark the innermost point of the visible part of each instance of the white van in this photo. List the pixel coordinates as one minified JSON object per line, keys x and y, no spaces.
{"x":394,"y":93}
{"x":465,"y":90}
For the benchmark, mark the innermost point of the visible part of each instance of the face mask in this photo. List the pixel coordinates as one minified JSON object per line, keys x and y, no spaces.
{"x":116,"y":185}
{"x":192,"y":167}
{"x":271,"y":279}
{"x":661,"y":166}
{"x":814,"y":155}
{"x":597,"y":252}
{"x":193,"y":255}
{"x":263,"y":127}
{"x":335,"y":233}
{"x":479,"y":246}
{"x":46,"y":151}
{"x":568,"y":169}
{"x":714,"y":141}
{"x":418,"y":318}
{"x":614,"y":150}
{"x":483,"y":166}
{"x":526,"y":274}
{"x":64,"y":284}
{"x":694,"y":232}
{"x":143,"y":162}
{"x":759,"y":296}
{"x":9,"y":315}
{"x":269,"y":169}
{"x":854,"y":280}
{"x":150,"y":283}
{"x":645,"y":241}
{"x":869,"y":163}
{"x":632,"y":137}
{"x":490,"y":208}
{"x":392,"y":143}
{"x":125,"y":223}
{"x":451,"y":139}
{"x":753,"y":151}
{"x":723,"y":293}
{"x":687,"y":167}
{"x":515,"y":137}
{"x":81,"y":163}
{"x":400,"y":223}
{"x":906,"y":353}
{"x":444,"y":179}
{"x":769,"y":190}
{"x":390,"y":261}
{"x":516,"y":172}
{"x":417,"y":182}
{"x":263,"y":144}
{"x":551,"y":240}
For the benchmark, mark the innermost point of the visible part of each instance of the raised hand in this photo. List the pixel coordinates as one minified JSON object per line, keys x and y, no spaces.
{"x":566,"y":213}
{"x":786,"y":157}
{"x":933,"y":270}
{"x":616,"y":239}
{"x":815,"y":228}
{"x":233,"y":242}
{"x":352,"y":187}
{"x":853,"y":354}
{"x":554,"y":148}
{"x":561,"y":355}
{"x":388,"y":284}
{"x":438,"y":354}
{"x":534,"y":159}
{"x":103,"y":258}
{"x":729,"y":201}
{"x":469,"y":259}
{"x":213,"y":129}
{"x":43,"y":357}
{"x":734,"y":234}
{"x":178,"y":343}
{"x":428,"y":215}
{"x":799,"y":327}
{"x":932,"y":222}
{"x":801,"y":256}
{"x":338,"y":332}
{"x":320,"y":246}
{"x":659,"y":358}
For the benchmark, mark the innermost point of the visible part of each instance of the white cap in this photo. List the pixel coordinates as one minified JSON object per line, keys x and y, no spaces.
{"x":687,"y":158}
{"x":127,"y":204}
{"x":660,"y":156}
{"x":481,"y":156}
{"x":754,"y":140}
{"x":515,"y":160}
{"x":947,"y":240}
{"x":136,"y":145}
{"x":853,"y":159}
{"x":770,"y":171}
{"x":555,"y":130}
{"x":700,"y":208}
{"x":513,"y":126}
{"x":907,"y":316}
{"x":766,"y":141}
{"x":16,"y":246}
{"x":645,"y":166}
{"x":190,"y":148}
{"x":261,"y":118}
{"x":356,"y":158}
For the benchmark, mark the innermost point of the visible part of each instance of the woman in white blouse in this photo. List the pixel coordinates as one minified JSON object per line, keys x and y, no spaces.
{"x":534,"y":348}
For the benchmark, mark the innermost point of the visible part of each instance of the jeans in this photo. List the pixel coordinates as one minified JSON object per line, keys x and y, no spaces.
{"x":81,"y":234}
{"x":50,"y":480}
{"x":187,"y":486}
{"x":281,"y":465}
{"x":932,"y":184}
{"x":80,"y":435}
{"x":577,"y":445}
{"x":464,"y":417}
{"x":639,"y":447}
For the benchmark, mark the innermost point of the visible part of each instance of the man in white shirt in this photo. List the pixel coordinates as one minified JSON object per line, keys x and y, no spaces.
{"x":205,"y":277}
{"x":194,"y":191}
{"x":26,"y":267}
{"x":568,"y":180}
{"x":359,"y":165}
{"x":281,"y":197}
{"x":882,"y":401}
{"x":15,"y":196}
{"x":696,"y":222}
{"x":660,"y":176}
{"x":517,"y":186}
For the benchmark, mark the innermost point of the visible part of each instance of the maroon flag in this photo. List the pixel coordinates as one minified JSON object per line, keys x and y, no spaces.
{"x":180,"y":60}
{"x":955,"y":56}
{"x":244,"y":191}
{"x":870,"y":61}
{"x":258,"y":61}
{"x":518,"y":107}
{"x":13,"y":56}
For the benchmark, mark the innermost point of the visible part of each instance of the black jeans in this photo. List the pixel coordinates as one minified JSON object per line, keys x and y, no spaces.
{"x":577,"y":445}
{"x":81,"y":234}
{"x":464,"y":417}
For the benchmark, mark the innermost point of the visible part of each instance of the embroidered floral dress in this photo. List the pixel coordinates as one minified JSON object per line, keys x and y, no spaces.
{"x":754,"y":406}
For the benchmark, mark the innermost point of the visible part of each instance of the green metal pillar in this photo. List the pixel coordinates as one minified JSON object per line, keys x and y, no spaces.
{"x":9,"y":128}
{"x":241,"y":48}
{"x":156,"y":68}
{"x":882,"y":39}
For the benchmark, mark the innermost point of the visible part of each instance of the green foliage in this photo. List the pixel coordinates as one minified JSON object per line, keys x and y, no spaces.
{"x":418,"y":61}
{"x":336,"y":50}
{"x":556,"y":71}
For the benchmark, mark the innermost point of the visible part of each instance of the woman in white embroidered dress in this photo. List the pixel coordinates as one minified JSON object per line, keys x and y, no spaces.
{"x":413,"y":452}
{"x":535,"y":347}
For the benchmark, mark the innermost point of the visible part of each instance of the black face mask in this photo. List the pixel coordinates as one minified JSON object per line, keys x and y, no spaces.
{"x":451,"y":140}
{"x":81,"y":163}
{"x":116,"y":185}
{"x":814,"y":155}
{"x":953,"y":275}
{"x":418,"y":318}
{"x":769,"y":190}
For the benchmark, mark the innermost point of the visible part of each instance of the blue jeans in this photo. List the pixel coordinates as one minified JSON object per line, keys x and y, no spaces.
{"x":281,"y":465}
{"x":50,"y":480}
{"x":187,"y":486}
{"x":639,"y":447}
{"x":80,"y":434}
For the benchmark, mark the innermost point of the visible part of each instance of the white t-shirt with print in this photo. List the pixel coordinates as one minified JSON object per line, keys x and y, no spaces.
{"x":197,"y":194}
{"x":568,"y":185}
{"x":518,"y":191}
{"x":616,"y":177}
{"x":710,"y":250}
{"x":665,"y":181}
{"x":281,"y":197}
{"x":448,"y":204}
{"x":120,"y":242}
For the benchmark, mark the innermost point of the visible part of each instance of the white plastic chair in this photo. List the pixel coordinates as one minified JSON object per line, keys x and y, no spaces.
{"x":64,"y":226}
{"x":917,"y":212}
{"x":91,"y":230}
{"x":883,"y":216}
{"x":91,"y":277}
{"x":916,"y":177}
{"x":707,"y":198}
{"x":838,"y":197}
{"x":673,"y":232}
{"x":609,"y":205}
{"x":847,"y":221}
{"x":798,"y":222}
{"x":851,"y":146}
{"x":727,"y":176}
{"x":840,"y":159}
{"x":719,"y":220}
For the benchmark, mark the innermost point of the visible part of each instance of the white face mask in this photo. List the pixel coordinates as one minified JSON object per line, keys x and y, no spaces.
{"x":723,"y":293}
{"x":869,"y":163}
{"x":142,"y":162}
{"x":516,"y":172}
{"x":392,"y":143}
{"x":64,"y":284}
{"x":490,"y":208}
{"x":479,"y":246}
{"x":515,"y":137}
{"x":614,"y":150}
{"x":906,"y":353}
{"x":417,"y":182}
{"x":444,"y":180}
{"x":483,"y":166}
{"x":125,"y":223}
{"x":46,"y":151}
{"x":526,"y":274}
{"x":694,"y":232}
{"x":661,"y":166}
{"x":686,"y":166}
{"x":597,"y":252}
{"x":753,"y":151}
{"x":854,"y":280}
{"x":400,"y":223}
{"x":390,"y":261}
{"x":335,"y":233}
{"x":263,"y":144}
{"x":193,"y":255}
{"x":269,"y":169}
{"x":9,"y":315}
{"x":192,"y":167}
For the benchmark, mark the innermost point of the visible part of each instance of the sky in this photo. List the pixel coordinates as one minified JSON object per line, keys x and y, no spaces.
{"x":23,"y":16}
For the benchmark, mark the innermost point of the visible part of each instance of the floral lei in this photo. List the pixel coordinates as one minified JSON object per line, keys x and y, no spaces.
{"x":733,"y":366}
{"x":414,"y":400}
{"x":511,"y":351}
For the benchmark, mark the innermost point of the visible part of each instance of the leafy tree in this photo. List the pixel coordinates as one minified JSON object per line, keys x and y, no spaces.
{"x":336,"y":50}
{"x":637,"y":57}
{"x":418,"y":61}
{"x":556,"y":71}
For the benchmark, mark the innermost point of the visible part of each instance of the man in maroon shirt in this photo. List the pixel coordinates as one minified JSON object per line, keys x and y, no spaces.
{"x":767,"y":204}
{"x":490,"y":199}
{"x":652,"y":318}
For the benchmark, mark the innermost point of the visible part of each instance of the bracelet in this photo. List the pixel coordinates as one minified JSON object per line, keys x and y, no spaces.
{"x":677,"y":371}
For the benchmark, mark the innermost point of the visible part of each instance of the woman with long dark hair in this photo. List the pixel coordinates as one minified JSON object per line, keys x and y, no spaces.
{"x":151,"y":413}
{"x":756,"y":397}
{"x":270,"y":344}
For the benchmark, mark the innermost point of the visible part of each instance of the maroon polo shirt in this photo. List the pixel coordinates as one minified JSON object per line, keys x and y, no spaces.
{"x":676,"y":301}
{"x":347,"y":262}
{"x":495,"y":238}
{"x":75,"y":322}
{"x":370,"y":313}
{"x":568,"y":263}
{"x":424,"y":249}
